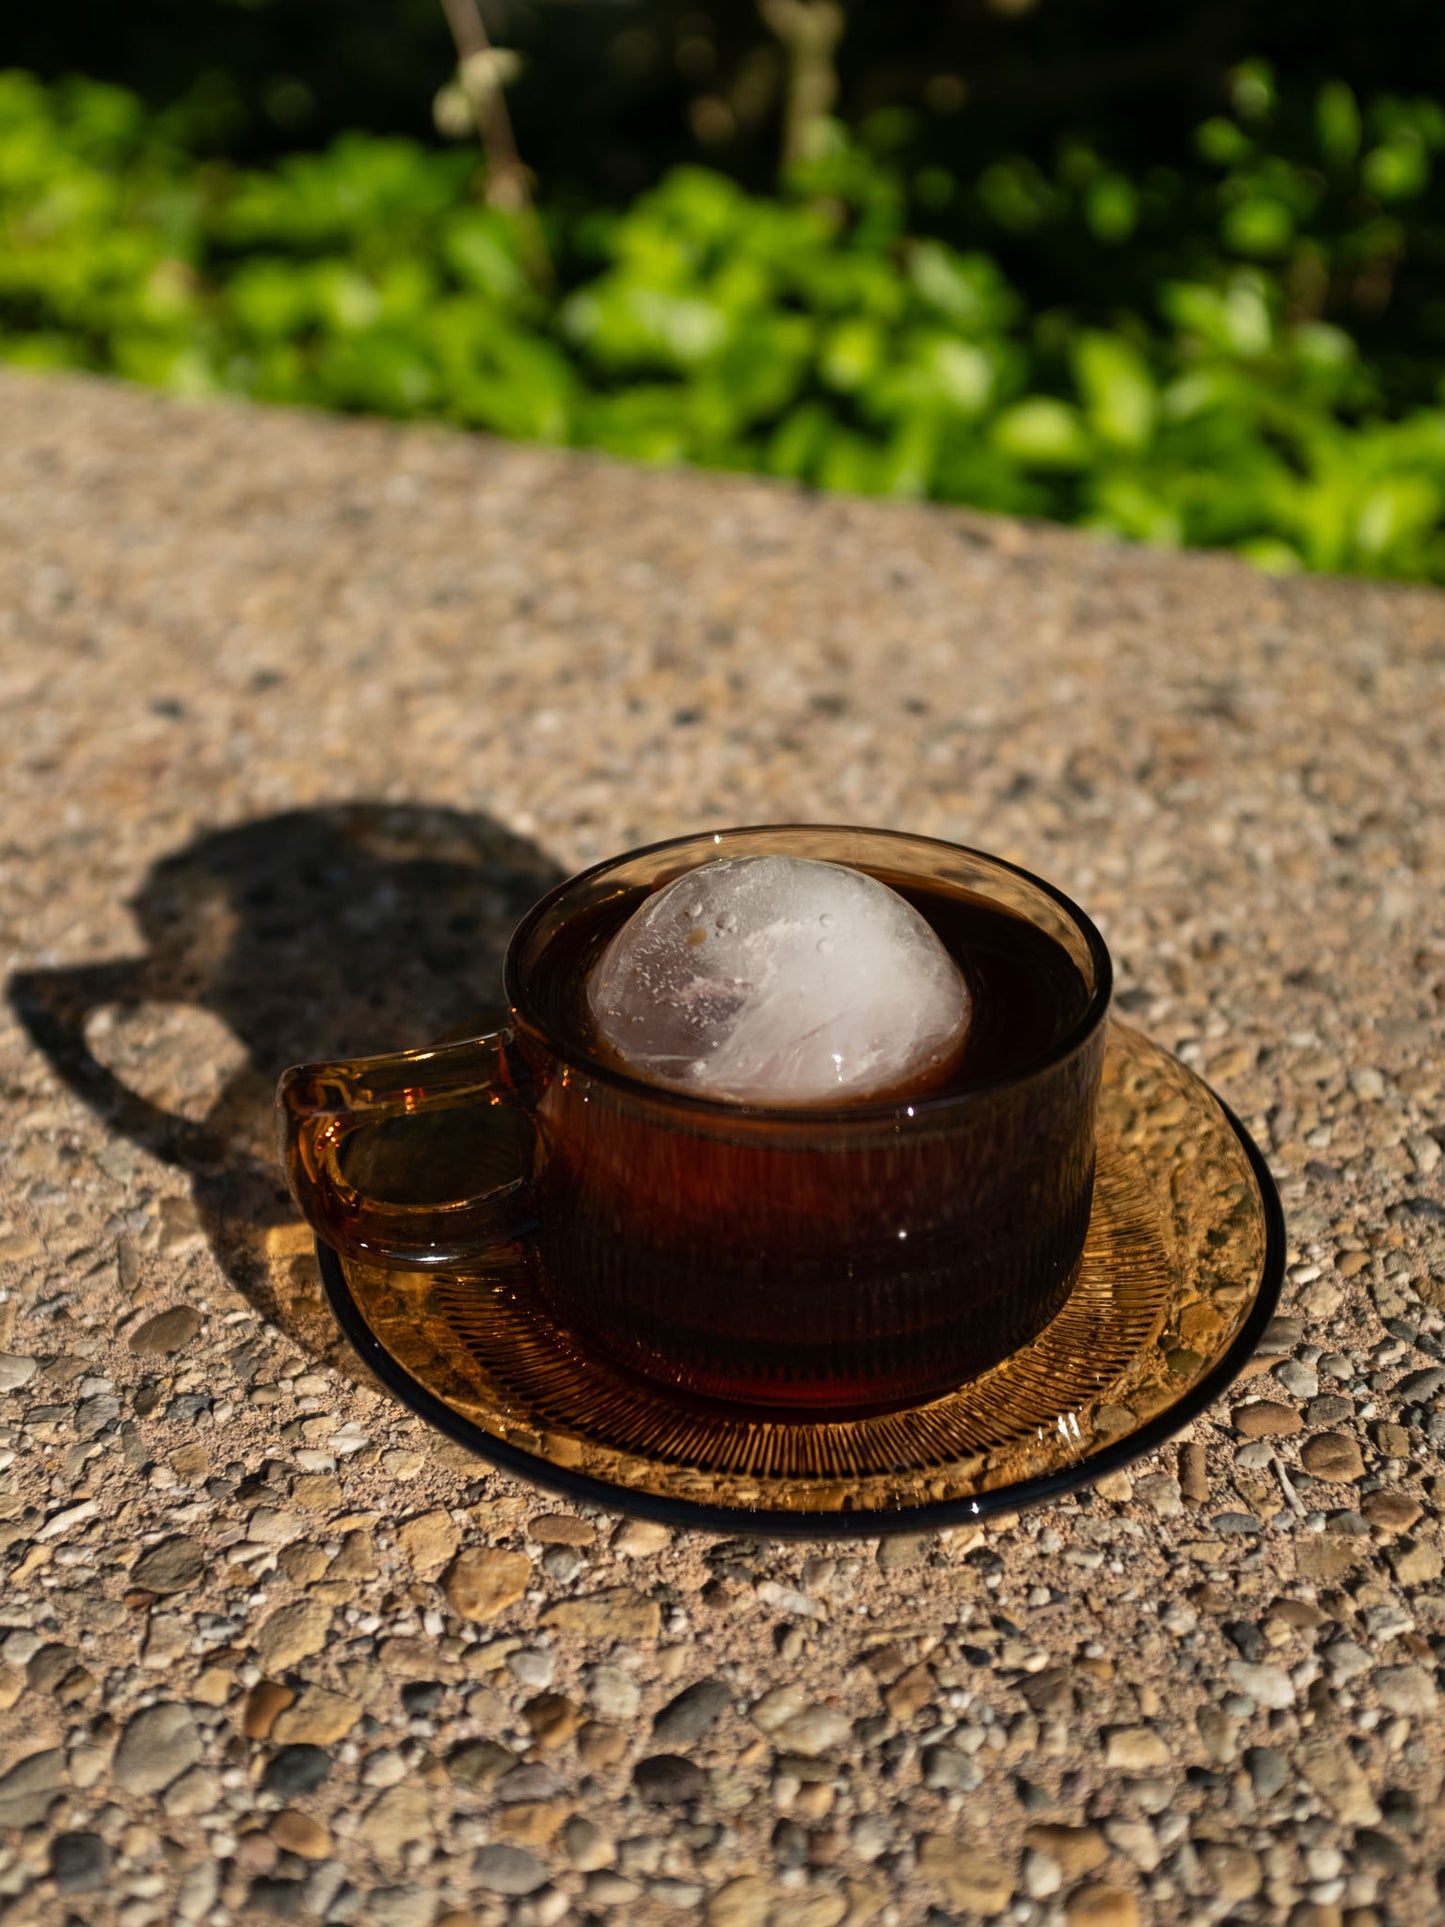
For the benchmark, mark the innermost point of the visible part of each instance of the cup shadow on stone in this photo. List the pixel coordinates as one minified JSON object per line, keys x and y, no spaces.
{"x":341,"y":931}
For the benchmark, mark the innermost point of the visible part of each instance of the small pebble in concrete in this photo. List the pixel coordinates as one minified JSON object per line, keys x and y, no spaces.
{"x":296,"y":1770}
{"x":687,"y":1717}
{"x":79,"y":1862}
{"x":502,"y":1869}
{"x":1333,"y":1455}
{"x":668,"y":1779}
{"x":158,"y":1744}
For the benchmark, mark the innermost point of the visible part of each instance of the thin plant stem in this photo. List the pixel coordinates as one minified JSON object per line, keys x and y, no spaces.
{"x":810,"y":31}
{"x":508,"y":187}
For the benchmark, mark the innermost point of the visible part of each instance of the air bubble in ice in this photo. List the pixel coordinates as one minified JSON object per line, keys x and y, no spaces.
{"x":720,"y":985}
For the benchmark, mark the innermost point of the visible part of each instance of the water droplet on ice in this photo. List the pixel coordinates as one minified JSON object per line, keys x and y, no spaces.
{"x":766,"y":1012}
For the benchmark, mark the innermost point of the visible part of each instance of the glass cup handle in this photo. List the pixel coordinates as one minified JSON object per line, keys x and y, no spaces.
{"x":319,"y":1107}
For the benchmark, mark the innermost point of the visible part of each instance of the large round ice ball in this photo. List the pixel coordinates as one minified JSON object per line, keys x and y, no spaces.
{"x":779,"y":980}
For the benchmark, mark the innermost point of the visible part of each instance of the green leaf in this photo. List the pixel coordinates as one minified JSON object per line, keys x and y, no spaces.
{"x":963,"y":375}
{"x":1337,"y":123}
{"x":1042,"y":432}
{"x":1258,"y":226}
{"x":1111,"y":207}
{"x":1269,"y":553}
{"x":758,"y":373}
{"x":852,"y":463}
{"x":967,"y":288}
{"x":911,"y":455}
{"x":269,"y":298}
{"x":851,"y":354}
{"x":1395,"y":512}
{"x":1247,"y":319}
{"x":796,"y":445}
{"x":1320,"y":344}
{"x":480,"y":247}
{"x":181,"y":366}
{"x":380,"y":370}
{"x":346,"y":299}
{"x":1252,"y":89}
{"x":626,"y":323}
{"x":646,"y":424}
{"x":524,"y":388}
{"x":1399,"y":170}
{"x":1125,"y":505}
{"x":934,"y":188}
{"x":51,"y":352}
{"x":1223,"y":141}
{"x":1016,"y":195}
{"x":1120,"y":399}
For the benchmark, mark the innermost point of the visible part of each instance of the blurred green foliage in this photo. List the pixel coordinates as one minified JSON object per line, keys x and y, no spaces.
{"x":1212,"y":390}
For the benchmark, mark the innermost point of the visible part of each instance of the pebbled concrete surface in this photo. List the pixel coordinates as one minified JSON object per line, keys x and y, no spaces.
{"x":297,"y":715}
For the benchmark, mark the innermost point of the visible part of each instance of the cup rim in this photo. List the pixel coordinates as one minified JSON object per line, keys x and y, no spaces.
{"x":939,"y":1104}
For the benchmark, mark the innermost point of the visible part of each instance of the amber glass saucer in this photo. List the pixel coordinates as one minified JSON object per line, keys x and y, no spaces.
{"x":1180,"y":1273}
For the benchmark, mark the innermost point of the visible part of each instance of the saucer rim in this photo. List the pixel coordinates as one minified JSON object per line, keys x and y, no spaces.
{"x":696,"y":1515}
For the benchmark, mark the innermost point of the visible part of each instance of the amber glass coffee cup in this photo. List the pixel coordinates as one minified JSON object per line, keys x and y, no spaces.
{"x":807,"y":1263}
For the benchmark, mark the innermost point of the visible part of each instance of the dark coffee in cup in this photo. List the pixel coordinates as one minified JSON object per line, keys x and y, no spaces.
{"x":865,"y":1255}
